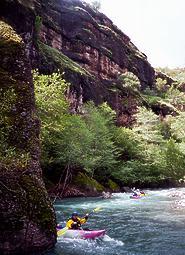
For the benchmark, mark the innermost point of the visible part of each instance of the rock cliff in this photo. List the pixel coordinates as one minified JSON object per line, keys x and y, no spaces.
{"x":69,"y":36}
{"x":27,"y":221}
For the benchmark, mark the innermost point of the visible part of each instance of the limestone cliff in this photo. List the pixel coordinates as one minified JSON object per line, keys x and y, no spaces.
{"x":27,"y":221}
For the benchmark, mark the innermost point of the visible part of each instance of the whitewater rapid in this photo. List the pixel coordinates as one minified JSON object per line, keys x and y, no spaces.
{"x":152,"y":225}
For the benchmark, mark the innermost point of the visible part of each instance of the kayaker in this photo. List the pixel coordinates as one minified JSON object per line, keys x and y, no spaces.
{"x":75,"y":221}
{"x":135,"y":194}
{"x":142,"y":193}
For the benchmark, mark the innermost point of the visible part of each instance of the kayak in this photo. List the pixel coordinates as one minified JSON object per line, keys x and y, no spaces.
{"x":135,"y":197}
{"x":83,"y":234}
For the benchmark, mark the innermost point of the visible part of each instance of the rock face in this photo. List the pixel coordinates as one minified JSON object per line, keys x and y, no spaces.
{"x":101,"y":50}
{"x":70,"y":36}
{"x":90,"y":39}
{"x":27,"y":221}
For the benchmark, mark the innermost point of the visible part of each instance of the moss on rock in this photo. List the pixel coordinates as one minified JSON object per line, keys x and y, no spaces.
{"x":86,"y":183}
{"x":113,"y":186}
{"x":35,"y":195}
{"x":51,"y":55}
{"x":27,"y":221}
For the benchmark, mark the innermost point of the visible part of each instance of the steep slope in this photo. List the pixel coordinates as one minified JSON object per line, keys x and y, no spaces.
{"x":92,"y":40}
{"x":70,"y":36}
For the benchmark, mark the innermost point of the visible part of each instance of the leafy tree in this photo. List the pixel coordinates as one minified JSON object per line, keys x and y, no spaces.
{"x":175,"y":97}
{"x":148,"y":126}
{"x":72,"y":142}
{"x":178,"y":126}
{"x":153,"y":150}
{"x":51,"y":107}
{"x":175,"y":160}
{"x":130,"y":80}
{"x":100,"y":120}
{"x":127,"y":143}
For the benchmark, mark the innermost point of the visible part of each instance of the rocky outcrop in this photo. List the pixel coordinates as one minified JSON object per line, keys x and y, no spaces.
{"x":169,"y":80}
{"x":70,"y":36}
{"x":100,"y":51}
{"x":27,"y":221}
{"x":92,"y":40}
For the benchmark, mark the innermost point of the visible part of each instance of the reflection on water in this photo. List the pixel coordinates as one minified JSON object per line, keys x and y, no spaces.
{"x":152,"y":225}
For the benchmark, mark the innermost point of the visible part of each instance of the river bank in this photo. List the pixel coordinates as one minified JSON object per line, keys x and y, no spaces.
{"x":72,"y":191}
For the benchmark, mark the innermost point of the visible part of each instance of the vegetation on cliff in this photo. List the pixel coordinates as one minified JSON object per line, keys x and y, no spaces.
{"x":152,"y":151}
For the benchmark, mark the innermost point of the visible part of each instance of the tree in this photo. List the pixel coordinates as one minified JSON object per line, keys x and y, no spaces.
{"x":52,"y":106}
{"x":148,"y":126}
{"x":130,"y":80}
{"x":100,"y":121}
{"x":175,"y":160}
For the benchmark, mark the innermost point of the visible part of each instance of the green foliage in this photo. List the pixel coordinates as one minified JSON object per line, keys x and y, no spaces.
{"x":175,"y":160}
{"x":161,"y":86}
{"x":175,"y":97}
{"x":86,"y":141}
{"x":130,"y":80}
{"x":177,"y":125}
{"x":8,"y":99}
{"x":152,"y":151}
{"x":73,"y":147}
{"x":148,"y":126}
{"x":137,"y":171}
{"x":52,"y":106}
{"x":127,"y":143}
{"x":99,"y":121}
{"x":8,"y":153}
{"x":72,"y":140}
{"x":38,"y":24}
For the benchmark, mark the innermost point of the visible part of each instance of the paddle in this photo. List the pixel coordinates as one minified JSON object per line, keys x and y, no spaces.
{"x":63,"y":230}
{"x":95,"y":210}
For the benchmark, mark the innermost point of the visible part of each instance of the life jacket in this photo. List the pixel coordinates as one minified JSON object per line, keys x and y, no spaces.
{"x":75,"y":226}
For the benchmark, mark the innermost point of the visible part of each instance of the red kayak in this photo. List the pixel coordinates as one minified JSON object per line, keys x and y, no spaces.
{"x":83,"y":234}
{"x":135,"y":197}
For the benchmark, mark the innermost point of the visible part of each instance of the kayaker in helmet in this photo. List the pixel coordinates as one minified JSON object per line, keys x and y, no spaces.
{"x":60,"y":225}
{"x":135,"y":194}
{"x":75,"y":221}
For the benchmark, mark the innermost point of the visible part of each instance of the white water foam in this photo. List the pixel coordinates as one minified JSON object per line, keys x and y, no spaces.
{"x":113,"y":241}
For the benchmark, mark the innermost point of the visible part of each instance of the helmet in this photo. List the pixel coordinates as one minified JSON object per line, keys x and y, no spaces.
{"x":74,"y":214}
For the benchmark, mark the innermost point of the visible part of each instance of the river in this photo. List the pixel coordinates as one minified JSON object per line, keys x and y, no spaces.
{"x":152,"y":225}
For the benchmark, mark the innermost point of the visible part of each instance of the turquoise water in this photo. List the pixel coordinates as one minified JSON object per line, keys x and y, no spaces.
{"x":152,"y":225}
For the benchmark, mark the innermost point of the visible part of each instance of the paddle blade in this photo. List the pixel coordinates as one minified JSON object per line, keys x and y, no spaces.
{"x":97,"y":209}
{"x":62,"y":231}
